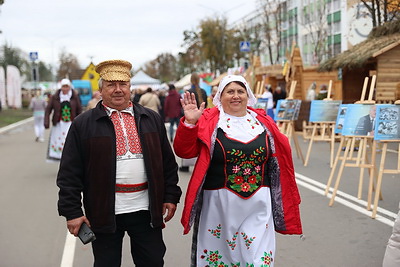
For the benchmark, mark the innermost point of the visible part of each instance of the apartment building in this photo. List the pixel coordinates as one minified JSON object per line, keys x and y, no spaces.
{"x":321,"y":28}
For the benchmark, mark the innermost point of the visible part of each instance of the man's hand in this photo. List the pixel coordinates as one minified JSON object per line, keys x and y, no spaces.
{"x":171,"y":211}
{"x":74,"y":224}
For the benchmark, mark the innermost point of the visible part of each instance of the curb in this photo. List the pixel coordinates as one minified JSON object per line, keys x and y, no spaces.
{"x":15,"y":125}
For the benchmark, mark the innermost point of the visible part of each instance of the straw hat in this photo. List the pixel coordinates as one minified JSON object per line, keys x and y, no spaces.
{"x":114,"y":70}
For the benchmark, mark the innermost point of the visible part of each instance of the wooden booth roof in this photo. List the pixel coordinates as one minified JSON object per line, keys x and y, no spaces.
{"x":361,"y":54}
{"x":379,"y":41}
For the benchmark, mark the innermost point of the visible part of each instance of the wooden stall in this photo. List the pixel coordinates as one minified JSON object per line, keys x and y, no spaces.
{"x":378,"y":55}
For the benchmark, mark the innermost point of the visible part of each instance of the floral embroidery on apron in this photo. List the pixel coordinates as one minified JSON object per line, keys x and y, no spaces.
{"x":244,"y":171}
{"x":65,"y":111}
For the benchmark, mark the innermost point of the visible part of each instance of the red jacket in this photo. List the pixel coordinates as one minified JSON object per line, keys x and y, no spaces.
{"x":198,"y":142}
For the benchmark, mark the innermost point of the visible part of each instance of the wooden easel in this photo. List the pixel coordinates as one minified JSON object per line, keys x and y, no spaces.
{"x":361,"y":159}
{"x":382,"y":170}
{"x":323,"y":131}
{"x":259,"y":88}
{"x":287,"y":126}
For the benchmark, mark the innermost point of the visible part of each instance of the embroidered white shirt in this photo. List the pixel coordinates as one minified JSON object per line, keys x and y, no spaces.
{"x":130,"y":163}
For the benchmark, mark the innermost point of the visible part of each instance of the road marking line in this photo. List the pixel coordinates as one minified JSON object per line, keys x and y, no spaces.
{"x":347,"y":196}
{"x":69,"y":251}
{"x":315,"y":187}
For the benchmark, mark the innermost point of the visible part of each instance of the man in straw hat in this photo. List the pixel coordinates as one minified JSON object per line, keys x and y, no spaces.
{"x":118,"y":155}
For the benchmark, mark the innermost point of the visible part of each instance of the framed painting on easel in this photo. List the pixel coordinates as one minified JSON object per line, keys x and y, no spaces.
{"x":359,"y":120}
{"x":324,"y":111}
{"x":287,"y":109}
{"x":261,"y":103}
{"x":388,"y":122}
{"x":340,"y":118}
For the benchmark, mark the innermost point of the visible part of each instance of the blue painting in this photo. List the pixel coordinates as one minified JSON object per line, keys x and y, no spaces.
{"x":340,"y":118}
{"x":324,"y":111}
{"x":287,"y":109}
{"x":359,"y":120}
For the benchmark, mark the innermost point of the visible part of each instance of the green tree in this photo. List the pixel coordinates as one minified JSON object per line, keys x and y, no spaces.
{"x":164,"y":67}
{"x":13,"y":56}
{"x":217,"y":43}
{"x":191,"y":59}
{"x":45,"y":73}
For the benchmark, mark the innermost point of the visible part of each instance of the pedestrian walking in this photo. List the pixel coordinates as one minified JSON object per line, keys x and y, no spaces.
{"x":278,"y":95}
{"x":150,"y":100}
{"x":38,"y":105}
{"x":244,"y":188}
{"x":270,"y":103}
{"x":200,"y":93}
{"x":95,"y":99}
{"x":323,"y":92}
{"x":161,"y":97}
{"x":311,"y":94}
{"x":117,"y":155}
{"x":64,"y":105}
{"x":172,"y":110}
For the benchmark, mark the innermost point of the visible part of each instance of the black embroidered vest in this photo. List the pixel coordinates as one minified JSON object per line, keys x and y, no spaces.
{"x":239,"y":167}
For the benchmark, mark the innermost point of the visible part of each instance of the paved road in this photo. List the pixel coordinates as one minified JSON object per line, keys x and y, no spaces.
{"x":32,"y":234}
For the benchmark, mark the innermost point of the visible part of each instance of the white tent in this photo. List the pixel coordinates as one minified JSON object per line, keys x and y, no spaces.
{"x":185,"y":81}
{"x":141,"y":79}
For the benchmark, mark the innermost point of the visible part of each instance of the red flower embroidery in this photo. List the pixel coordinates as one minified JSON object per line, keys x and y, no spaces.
{"x":245,"y":187}
{"x":238,"y":180}
{"x":252,"y":179}
{"x":213,"y":257}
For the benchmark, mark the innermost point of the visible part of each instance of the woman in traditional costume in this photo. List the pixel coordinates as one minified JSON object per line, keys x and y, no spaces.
{"x":65,"y":105}
{"x":243,"y":187}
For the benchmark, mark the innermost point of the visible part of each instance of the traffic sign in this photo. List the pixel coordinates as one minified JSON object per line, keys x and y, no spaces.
{"x":244,"y":46}
{"x":33,"y":56}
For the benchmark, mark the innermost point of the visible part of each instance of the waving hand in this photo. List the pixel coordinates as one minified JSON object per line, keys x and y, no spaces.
{"x":190,"y":109}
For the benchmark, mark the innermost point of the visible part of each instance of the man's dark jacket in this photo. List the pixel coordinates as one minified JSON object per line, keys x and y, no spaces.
{"x":88,"y":165}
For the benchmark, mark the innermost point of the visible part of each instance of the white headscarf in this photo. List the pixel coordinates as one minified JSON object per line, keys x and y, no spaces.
{"x":240,"y":128}
{"x":233,"y":78}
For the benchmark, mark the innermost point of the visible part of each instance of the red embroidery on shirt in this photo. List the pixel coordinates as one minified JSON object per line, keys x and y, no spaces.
{"x":130,"y":141}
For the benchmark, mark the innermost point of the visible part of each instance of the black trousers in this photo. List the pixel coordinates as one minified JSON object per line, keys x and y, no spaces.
{"x":147,"y":245}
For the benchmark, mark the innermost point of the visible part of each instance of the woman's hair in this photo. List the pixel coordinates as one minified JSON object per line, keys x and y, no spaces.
{"x":195,"y":80}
